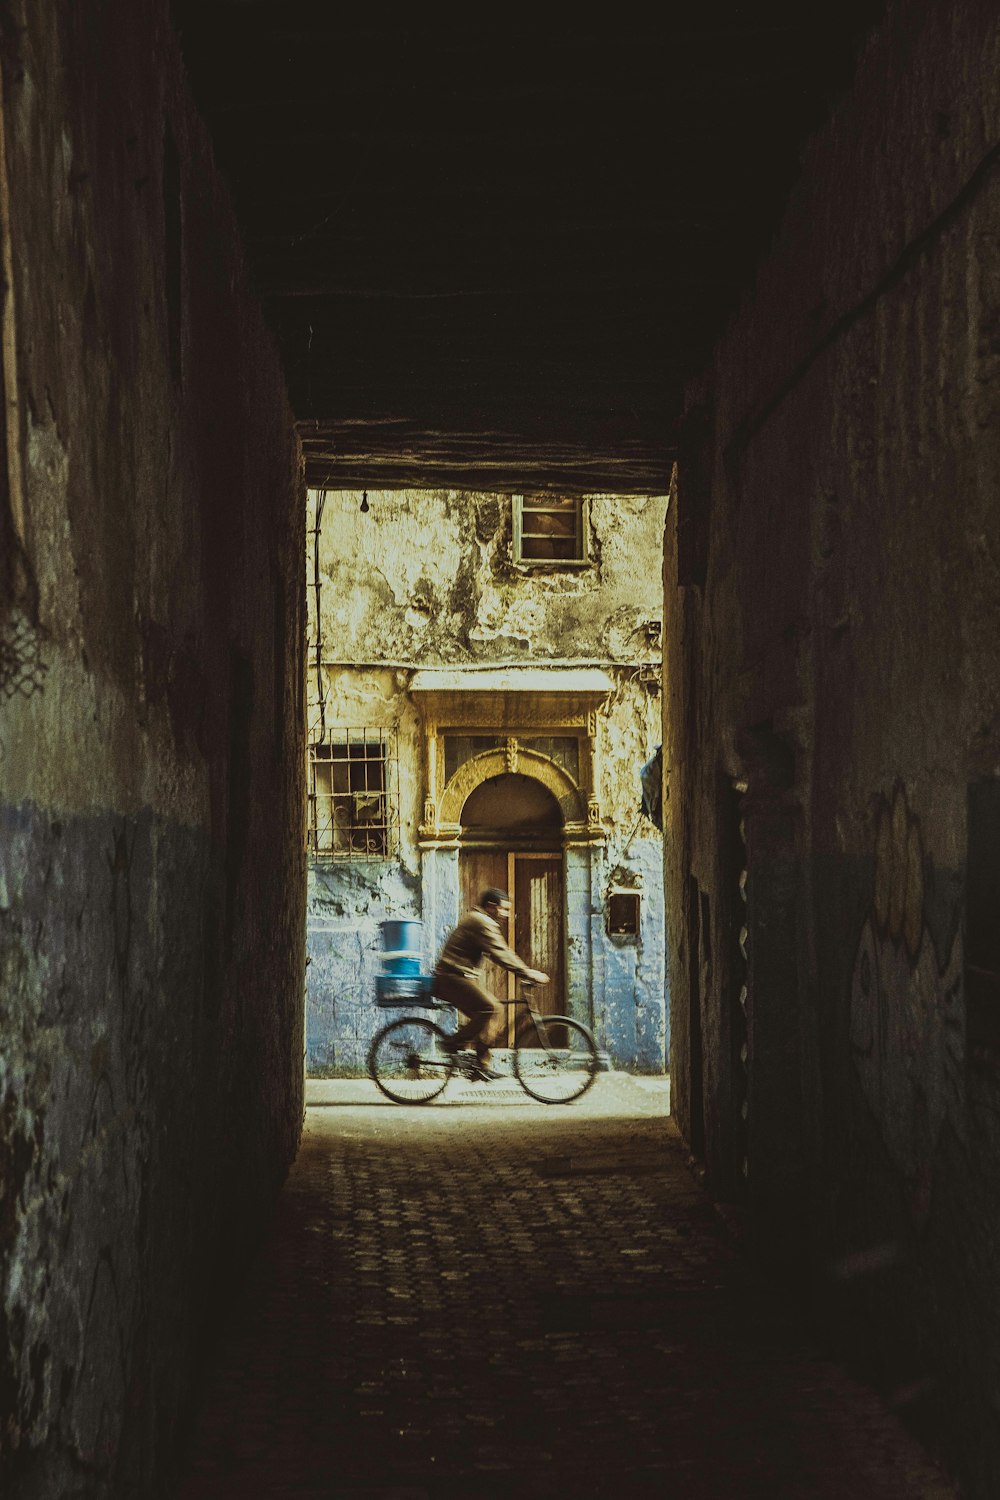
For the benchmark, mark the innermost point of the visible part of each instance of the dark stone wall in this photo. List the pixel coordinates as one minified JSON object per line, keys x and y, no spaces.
{"x":832,"y":624}
{"x":151,"y":752}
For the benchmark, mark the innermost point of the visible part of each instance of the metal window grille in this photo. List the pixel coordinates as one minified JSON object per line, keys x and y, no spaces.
{"x":354,"y":795}
{"x":549,"y":529}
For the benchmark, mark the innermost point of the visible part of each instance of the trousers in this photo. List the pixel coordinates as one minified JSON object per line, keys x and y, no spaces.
{"x":485,"y":1012}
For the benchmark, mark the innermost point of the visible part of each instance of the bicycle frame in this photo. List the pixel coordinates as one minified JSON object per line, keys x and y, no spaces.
{"x":554,"y":1056}
{"x":521,"y":1022}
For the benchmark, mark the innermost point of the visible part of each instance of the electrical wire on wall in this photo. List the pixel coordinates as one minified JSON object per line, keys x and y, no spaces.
{"x":317,"y":585}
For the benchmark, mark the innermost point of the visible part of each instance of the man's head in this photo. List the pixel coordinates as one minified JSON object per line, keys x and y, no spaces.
{"x":495,"y":903}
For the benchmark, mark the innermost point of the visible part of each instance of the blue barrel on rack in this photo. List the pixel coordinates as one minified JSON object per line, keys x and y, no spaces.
{"x":400,"y":981}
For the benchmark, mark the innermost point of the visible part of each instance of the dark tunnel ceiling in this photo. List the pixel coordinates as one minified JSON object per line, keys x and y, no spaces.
{"x":491,"y":252}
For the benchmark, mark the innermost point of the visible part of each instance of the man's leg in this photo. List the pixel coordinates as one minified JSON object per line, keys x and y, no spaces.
{"x":485,"y":1013}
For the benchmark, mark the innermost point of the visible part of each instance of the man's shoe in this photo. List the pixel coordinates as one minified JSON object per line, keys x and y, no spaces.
{"x":482,"y":1074}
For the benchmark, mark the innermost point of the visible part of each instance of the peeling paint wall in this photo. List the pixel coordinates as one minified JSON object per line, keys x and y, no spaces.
{"x":428,"y":578}
{"x":832,"y":619}
{"x":346,"y":901}
{"x":151,"y":868}
{"x":630,"y":1014}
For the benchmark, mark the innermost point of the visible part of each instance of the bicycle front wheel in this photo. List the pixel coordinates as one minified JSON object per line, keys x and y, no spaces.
{"x":559,"y":1064}
{"x":408,"y":1062}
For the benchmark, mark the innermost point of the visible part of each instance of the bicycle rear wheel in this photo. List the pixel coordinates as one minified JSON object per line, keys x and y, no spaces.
{"x":408,"y":1062}
{"x":563,"y":1064}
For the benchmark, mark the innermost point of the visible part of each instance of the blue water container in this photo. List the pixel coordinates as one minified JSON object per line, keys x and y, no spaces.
{"x":401,"y":947}
{"x":402,"y":934}
{"x":400,"y":964}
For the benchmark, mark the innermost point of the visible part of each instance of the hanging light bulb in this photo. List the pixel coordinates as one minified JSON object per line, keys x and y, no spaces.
{"x":364,"y":502}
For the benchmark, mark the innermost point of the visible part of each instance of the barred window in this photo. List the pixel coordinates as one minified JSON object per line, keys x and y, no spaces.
{"x":354,"y":795}
{"x":550,"y":529}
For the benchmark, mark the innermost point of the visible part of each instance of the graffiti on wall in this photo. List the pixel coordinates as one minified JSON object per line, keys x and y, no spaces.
{"x":907,"y":1028}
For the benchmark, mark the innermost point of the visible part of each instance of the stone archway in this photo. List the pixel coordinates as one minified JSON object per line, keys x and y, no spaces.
{"x":515,"y":805}
{"x":575,"y":843}
{"x":491,"y":764}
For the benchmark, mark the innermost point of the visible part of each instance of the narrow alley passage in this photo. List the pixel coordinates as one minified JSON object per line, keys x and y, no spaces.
{"x":493,"y":1299}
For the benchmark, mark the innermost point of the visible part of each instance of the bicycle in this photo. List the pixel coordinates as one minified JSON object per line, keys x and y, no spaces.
{"x":554,"y":1057}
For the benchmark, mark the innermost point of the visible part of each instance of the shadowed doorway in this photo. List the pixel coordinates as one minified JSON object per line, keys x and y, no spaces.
{"x":512,"y":838}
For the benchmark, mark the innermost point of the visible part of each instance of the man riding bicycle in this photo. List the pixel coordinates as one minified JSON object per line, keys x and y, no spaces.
{"x":458,"y":981}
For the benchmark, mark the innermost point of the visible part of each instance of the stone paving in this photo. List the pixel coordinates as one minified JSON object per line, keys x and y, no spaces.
{"x":489,"y":1298}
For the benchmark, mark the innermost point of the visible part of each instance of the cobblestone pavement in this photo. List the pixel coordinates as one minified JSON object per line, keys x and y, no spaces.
{"x":493,"y":1299}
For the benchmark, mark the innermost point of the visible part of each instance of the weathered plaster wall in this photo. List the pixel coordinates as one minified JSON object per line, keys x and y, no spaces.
{"x":426,"y":578}
{"x":151,"y":870}
{"x":347,"y":901}
{"x":630,"y":1017}
{"x":833,"y":680}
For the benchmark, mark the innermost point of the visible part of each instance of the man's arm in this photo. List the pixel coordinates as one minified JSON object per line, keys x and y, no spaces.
{"x":496,"y":949}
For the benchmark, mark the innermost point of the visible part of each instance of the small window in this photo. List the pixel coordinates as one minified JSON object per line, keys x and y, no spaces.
{"x":353,"y":795}
{"x":550,"y":529}
{"x":623,"y":914}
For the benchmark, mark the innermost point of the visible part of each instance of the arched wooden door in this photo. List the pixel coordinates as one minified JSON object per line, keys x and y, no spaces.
{"x":511,"y":838}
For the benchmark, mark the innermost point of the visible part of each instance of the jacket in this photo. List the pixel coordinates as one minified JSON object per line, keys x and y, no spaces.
{"x":476,"y":937}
